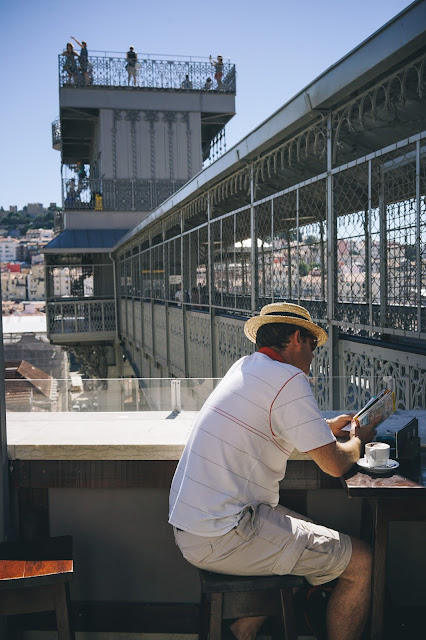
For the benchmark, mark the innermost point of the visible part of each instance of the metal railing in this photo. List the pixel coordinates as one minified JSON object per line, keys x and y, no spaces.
{"x":117,"y":195}
{"x":81,"y":316}
{"x":110,"y":71}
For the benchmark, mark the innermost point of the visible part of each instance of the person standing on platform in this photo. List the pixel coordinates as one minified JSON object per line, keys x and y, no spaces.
{"x":132,"y":58}
{"x":187,"y":84}
{"x":218,"y":66}
{"x":225,"y":491}
{"x":83,"y":59}
{"x":70,"y":65}
{"x":179,"y":295}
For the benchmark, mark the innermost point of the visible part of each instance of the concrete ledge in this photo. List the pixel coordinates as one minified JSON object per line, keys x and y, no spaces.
{"x":136,"y":435}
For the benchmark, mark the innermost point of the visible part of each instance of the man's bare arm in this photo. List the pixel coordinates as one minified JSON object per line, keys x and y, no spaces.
{"x":338,"y":457}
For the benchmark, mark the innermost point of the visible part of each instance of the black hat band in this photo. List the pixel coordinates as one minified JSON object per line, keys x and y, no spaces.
{"x":284,"y":314}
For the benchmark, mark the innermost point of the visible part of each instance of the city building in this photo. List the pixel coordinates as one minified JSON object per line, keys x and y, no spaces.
{"x":14,"y":285}
{"x":9,"y":249}
{"x":43,"y":235}
{"x":36,"y":282}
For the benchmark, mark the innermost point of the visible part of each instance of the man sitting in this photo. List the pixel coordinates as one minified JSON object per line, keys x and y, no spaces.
{"x":225,"y":492}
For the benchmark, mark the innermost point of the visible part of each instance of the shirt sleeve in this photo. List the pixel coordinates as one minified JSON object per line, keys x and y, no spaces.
{"x":296,"y":418}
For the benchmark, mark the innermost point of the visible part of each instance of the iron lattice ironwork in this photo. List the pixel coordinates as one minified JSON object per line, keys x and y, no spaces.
{"x":110,"y":71}
{"x":117,"y":194}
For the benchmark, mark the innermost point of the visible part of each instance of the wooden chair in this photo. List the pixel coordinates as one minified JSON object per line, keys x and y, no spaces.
{"x":224,"y":597}
{"x":34,"y":576}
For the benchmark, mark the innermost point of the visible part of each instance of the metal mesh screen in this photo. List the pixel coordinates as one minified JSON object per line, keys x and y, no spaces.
{"x":195,"y":265}
{"x":265,"y":253}
{"x":145,"y":268}
{"x":174,"y":270}
{"x":157,"y":264}
{"x":399,"y":206}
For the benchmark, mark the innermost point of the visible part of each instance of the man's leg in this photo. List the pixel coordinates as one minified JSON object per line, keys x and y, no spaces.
{"x":247,"y":628}
{"x":349,"y":602}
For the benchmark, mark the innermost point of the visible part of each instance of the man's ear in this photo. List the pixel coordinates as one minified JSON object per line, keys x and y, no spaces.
{"x":298,"y":340}
{"x":295,"y":338}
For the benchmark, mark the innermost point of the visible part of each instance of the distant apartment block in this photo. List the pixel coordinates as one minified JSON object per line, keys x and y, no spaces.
{"x":9,"y":248}
{"x":39,"y":234}
{"x":14,"y":286}
{"x":35,"y":282}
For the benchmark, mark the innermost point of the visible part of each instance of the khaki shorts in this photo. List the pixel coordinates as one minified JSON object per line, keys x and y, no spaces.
{"x":271,"y":540}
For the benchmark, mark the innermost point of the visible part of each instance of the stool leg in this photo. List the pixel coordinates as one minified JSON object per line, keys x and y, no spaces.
{"x":287,"y":612}
{"x":60,"y":596}
{"x":216,"y":602}
{"x":204,"y":617}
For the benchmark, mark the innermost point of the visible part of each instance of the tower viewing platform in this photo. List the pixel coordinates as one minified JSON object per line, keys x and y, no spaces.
{"x":155,"y":126}
{"x":109,"y":70}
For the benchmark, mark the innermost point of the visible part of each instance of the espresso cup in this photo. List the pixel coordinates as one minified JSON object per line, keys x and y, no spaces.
{"x":377,"y":454}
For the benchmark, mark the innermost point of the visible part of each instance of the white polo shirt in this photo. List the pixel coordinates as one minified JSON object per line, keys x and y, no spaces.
{"x":240,"y":443}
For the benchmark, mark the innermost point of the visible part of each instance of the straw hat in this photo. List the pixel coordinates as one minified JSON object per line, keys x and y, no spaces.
{"x":287,"y":313}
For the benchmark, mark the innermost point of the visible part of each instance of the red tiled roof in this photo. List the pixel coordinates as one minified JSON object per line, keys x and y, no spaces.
{"x":23,"y":370}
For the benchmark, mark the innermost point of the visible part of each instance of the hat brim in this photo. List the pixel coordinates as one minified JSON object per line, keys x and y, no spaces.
{"x":252,"y":325}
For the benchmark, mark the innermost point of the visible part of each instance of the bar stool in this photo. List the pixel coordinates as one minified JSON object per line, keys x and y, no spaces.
{"x":224,"y":597}
{"x":34,"y":577}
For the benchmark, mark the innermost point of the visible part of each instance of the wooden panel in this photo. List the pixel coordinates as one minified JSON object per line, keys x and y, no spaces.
{"x":33,"y":505}
{"x":115,"y":617}
{"x":93,"y":474}
{"x":15,"y":601}
{"x":149,"y":474}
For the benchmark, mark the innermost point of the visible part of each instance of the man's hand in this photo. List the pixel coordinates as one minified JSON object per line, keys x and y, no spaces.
{"x":336,"y":424}
{"x":338,"y":457}
{"x":365,"y":433}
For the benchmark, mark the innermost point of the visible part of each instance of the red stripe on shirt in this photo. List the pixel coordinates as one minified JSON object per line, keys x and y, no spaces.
{"x":233,"y":419}
{"x":253,"y":430}
{"x":270,"y":410}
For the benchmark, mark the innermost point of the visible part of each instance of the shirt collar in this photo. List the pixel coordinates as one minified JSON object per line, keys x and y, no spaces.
{"x":271,"y":354}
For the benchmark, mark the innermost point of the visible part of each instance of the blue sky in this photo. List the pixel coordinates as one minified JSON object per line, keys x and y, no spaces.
{"x":278,"y":47}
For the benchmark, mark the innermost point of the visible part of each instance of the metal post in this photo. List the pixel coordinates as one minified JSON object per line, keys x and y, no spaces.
{"x":332,"y":277}
{"x":368,"y":270}
{"x":297,"y":247}
{"x":289,"y":266}
{"x":418,"y":242}
{"x":272,"y":252}
{"x":184,"y":269}
{"x":67,"y":408}
{"x":235,"y":261}
{"x":166,"y":285}
{"x":323,"y":261}
{"x":151,"y":300}
{"x":210,"y":275}
{"x":383,"y":251}
{"x":4,"y":476}
{"x":253,"y":250}
{"x":221,"y":262}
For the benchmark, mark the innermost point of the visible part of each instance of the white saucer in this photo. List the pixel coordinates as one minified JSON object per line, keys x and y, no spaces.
{"x":391,"y":466}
